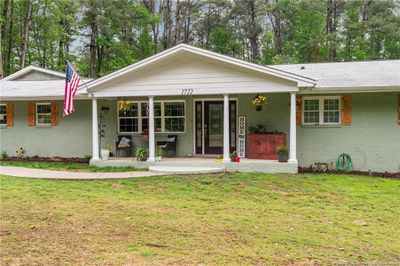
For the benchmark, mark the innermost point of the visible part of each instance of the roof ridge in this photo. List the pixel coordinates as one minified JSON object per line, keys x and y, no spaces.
{"x":343,"y":62}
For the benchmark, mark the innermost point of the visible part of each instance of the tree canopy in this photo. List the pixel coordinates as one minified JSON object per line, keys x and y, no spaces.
{"x":101,"y":36}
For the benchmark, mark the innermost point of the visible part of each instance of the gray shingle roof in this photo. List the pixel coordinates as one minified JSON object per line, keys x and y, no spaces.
{"x":32,"y":89}
{"x":344,"y":75}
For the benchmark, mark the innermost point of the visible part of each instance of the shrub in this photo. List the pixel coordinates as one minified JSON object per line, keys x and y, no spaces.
{"x":141,"y":154}
{"x":4,"y":155}
{"x":88,"y":157}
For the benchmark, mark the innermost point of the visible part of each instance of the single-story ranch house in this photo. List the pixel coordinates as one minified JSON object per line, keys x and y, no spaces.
{"x":202,"y":102}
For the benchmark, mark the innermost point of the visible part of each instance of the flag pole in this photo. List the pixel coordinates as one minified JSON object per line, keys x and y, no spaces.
{"x":73,"y":68}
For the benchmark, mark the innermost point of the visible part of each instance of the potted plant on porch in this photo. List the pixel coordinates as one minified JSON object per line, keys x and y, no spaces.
{"x":283,"y":153}
{"x":105,"y":153}
{"x":141,"y":154}
{"x":235,"y":157}
{"x":159,"y":153}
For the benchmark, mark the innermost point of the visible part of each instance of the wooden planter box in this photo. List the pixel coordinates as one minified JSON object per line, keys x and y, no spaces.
{"x":263,"y":146}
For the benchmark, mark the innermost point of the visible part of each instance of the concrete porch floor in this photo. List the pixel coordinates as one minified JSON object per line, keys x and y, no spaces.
{"x":245,"y":165}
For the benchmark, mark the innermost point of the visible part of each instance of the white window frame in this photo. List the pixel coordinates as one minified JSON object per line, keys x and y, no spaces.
{"x":321,"y":110}
{"x":37,"y":114}
{"x":5,"y":105}
{"x":140,"y":117}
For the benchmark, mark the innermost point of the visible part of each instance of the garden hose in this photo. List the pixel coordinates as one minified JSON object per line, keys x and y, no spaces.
{"x":344,"y":163}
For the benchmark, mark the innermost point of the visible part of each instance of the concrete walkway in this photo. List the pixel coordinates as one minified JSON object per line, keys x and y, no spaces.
{"x":50,"y":174}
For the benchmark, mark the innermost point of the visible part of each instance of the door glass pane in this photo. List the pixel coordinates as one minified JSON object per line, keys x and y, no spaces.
{"x":232,"y":127}
{"x":199,"y":133}
{"x":215,"y":125}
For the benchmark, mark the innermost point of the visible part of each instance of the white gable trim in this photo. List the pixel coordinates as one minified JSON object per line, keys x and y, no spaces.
{"x":301,"y":81}
{"x":29,"y":69}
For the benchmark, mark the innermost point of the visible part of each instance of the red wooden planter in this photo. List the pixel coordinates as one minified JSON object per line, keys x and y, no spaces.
{"x":263,"y":146}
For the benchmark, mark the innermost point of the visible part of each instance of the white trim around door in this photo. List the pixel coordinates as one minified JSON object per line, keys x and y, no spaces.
{"x":202,"y":100}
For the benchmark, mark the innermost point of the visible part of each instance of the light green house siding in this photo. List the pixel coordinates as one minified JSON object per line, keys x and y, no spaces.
{"x":72,"y":137}
{"x":372,"y":140}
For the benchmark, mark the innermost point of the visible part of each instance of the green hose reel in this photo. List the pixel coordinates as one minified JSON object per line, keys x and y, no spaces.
{"x":344,"y":163}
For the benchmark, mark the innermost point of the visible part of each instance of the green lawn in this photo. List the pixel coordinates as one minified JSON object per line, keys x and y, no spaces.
{"x":208,"y":219}
{"x":76,"y":167}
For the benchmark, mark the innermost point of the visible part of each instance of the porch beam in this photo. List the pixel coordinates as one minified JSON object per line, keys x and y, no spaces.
{"x":152,"y":145}
{"x":95,"y":132}
{"x":226,"y":155}
{"x":293,"y":137}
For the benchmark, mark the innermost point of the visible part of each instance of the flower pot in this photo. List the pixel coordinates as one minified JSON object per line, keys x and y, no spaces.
{"x":218,"y":160}
{"x":283,"y":158}
{"x":259,"y":108}
{"x":237,"y":159}
{"x":104,"y":154}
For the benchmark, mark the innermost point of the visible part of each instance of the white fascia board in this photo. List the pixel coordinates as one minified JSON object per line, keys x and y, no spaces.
{"x":336,"y":90}
{"x":194,"y":50}
{"x":196,"y":91}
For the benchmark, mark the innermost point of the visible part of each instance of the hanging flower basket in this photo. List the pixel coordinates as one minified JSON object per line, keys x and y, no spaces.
{"x":124,"y":106}
{"x":259,"y":101}
{"x":259,"y":107}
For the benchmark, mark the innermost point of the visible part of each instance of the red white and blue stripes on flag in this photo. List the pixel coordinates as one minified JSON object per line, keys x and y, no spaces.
{"x":72,"y":80}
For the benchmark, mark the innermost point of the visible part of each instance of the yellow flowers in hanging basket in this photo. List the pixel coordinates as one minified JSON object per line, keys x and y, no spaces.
{"x":123,"y":106}
{"x":259,"y":100}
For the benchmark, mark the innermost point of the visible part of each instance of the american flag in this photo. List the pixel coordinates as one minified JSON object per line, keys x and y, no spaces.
{"x":71,"y":86}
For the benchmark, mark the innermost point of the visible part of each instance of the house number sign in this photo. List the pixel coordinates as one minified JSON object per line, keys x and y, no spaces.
{"x":187,"y":91}
{"x":242,"y":137}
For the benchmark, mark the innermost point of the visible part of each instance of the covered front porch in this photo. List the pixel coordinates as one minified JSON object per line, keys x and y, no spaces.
{"x":202,"y":99}
{"x":203,"y":164}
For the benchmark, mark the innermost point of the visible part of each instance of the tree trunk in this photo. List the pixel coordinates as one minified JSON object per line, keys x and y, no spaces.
{"x":92,"y":48}
{"x":188,"y":22}
{"x":1,"y":58}
{"x":331,"y":26}
{"x":178,"y":23}
{"x":10,"y":40}
{"x":5,"y":18}
{"x":253,"y":34}
{"x":25,"y":35}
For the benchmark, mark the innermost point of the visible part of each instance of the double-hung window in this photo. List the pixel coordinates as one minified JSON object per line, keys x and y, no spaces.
{"x":43,"y":114}
{"x":321,"y":110}
{"x":169,"y":116}
{"x":3,"y":114}
{"x":174,"y":116}
{"x":128,"y":117}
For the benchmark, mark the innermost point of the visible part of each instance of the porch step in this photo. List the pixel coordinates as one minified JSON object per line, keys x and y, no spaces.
{"x":187,"y":169}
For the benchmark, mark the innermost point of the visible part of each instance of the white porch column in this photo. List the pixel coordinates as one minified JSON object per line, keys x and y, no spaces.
{"x":152,"y":145}
{"x":226,"y":157}
{"x":95,"y":132}
{"x":292,"y":148}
